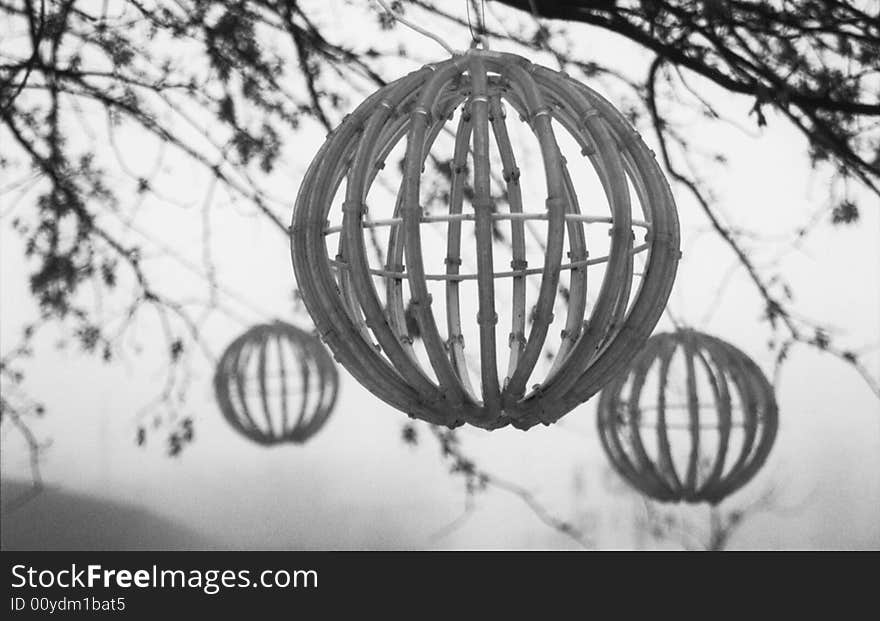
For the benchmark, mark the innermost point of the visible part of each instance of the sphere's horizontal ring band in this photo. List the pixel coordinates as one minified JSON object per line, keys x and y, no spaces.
{"x":276,"y":389}
{"x":683,"y":426}
{"x":710,"y":407}
{"x":454,"y":277}
{"x":459,"y":217}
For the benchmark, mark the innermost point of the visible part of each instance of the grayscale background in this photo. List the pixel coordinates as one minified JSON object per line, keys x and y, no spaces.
{"x":357,"y":484}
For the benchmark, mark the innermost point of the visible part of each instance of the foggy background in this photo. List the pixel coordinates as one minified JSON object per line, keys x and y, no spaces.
{"x":356,"y":484}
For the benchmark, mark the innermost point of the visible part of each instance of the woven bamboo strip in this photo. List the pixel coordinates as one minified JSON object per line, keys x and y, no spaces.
{"x":539,"y":121}
{"x":619,"y":305}
{"x":394,"y":296}
{"x":377,"y":376}
{"x":510,"y":173}
{"x":760,"y":421}
{"x":610,"y":403}
{"x":282,"y":367}
{"x":749,"y":399}
{"x":261,"y":349}
{"x":304,"y":378}
{"x":665,"y":460}
{"x":660,"y":270}
{"x":577,"y":298}
{"x":693,"y":398}
{"x":390,"y":135}
{"x":450,"y":387}
{"x":766,"y":417}
{"x":722,"y":405}
{"x":606,"y":159}
{"x":316,"y":280}
{"x":653,"y":478}
{"x":453,"y":253}
{"x":353,"y":210}
{"x":241,"y":379}
{"x":483,"y":208}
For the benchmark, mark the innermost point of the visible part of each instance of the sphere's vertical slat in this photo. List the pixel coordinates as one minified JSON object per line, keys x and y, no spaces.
{"x":756,"y":396}
{"x":652,"y":479}
{"x":610,"y":422}
{"x":224,"y":385}
{"x":361,"y":277}
{"x":394,"y":302}
{"x":351,"y":304}
{"x":453,"y":252}
{"x":611,"y":177}
{"x":242,"y":375}
{"x":237,"y":377}
{"x":221,"y":384}
{"x":721,"y":393}
{"x":282,"y":374}
{"x":749,"y":400}
{"x":693,"y":410}
{"x":510,"y":93}
{"x":664,"y":448}
{"x":263,"y":383}
{"x":765,"y":420}
{"x":346,"y":290}
{"x":577,"y":292}
{"x":244,"y":380}
{"x":452,"y":399}
{"x":539,"y":117}
{"x":395,"y":306}
{"x":306,"y":426}
{"x":483,"y":208}
{"x":305,"y":378}
{"x":511,"y":173}
{"x":312,"y":269}
{"x":598,"y":144}
{"x":390,"y":135}
{"x":659,"y":273}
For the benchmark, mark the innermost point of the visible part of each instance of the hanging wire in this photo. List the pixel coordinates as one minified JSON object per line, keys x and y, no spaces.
{"x":672,"y":317}
{"x":480,"y":35}
{"x":418,"y":29}
{"x":467,"y":7}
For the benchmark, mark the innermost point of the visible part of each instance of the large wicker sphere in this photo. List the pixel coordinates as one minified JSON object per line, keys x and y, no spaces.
{"x":276,"y":383}
{"x":495,"y":282}
{"x":692,"y":420}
